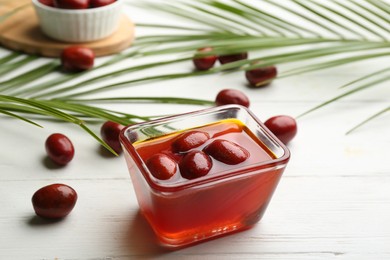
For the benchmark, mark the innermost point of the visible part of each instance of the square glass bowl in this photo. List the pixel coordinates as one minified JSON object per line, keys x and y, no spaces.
{"x":230,"y":198}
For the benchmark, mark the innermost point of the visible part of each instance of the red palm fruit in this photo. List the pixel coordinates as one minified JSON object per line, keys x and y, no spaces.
{"x":100,"y":3}
{"x":223,"y":59}
{"x":195,"y":164}
{"x":47,"y":2}
{"x":59,"y":149}
{"x":227,"y":152}
{"x":71,"y":4}
{"x":109,"y":132}
{"x":161,"y":166}
{"x":259,"y":77}
{"x":54,"y":201}
{"x":284,"y":127}
{"x":204,"y":62}
{"x":231,"y":96}
{"x":77,"y":58}
{"x":189,"y":140}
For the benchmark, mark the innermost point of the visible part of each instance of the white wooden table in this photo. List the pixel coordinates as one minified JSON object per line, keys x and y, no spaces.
{"x":333,"y":201}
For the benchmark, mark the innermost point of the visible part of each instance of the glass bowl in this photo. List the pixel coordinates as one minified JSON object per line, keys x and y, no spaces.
{"x":230,"y":198}
{"x":78,"y":25}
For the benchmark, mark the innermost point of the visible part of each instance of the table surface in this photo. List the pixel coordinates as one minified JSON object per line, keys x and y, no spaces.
{"x":333,"y":201}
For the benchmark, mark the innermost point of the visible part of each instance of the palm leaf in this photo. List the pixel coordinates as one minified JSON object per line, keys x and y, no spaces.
{"x":11,"y":56}
{"x":365,"y":77}
{"x":104,"y":76}
{"x":273,"y":20}
{"x":132,"y":82}
{"x":384,"y":76}
{"x":364,"y":31}
{"x":9,"y":67}
{"x":387,"y":109}
{"x":334,"y":63}
{"x":29,"y":76}
{"x":49,"y":109}
{"x":64,"y":77}
{"x":8,"y":113}
{"x":308,"y":35}
{"x":159,"y":100}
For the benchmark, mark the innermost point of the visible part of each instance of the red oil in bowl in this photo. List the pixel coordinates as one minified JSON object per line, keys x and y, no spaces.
{"x":232,"y":196}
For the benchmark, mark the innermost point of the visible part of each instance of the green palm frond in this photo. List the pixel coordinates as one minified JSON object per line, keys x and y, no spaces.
{"x":306,"y":35}
{"x":11,"y":66}
{"x":358,"y":29}
{"x":104,"y":76}
{"x":369,"y":80}
{"x":8,"y":113}
{"x":159,"y":100}
{"x":387,"y":109}
{"x":9,"y":57}
{"x":47,"y":109}
{"x":20,"y":80}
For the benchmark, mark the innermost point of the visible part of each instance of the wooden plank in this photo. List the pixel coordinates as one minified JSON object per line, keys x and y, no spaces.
{"x":308,"y":218}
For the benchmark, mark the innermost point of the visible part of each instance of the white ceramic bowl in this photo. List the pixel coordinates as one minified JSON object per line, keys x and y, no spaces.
{"x":81,"y":25}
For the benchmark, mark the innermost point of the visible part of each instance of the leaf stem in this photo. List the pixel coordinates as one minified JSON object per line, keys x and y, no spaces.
{"x":368,"y":119}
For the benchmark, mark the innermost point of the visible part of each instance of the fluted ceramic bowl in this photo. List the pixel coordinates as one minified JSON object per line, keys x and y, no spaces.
{"x":78,"y":25}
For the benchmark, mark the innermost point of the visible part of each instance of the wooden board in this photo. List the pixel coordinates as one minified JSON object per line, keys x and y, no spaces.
{"x":21,"y":32}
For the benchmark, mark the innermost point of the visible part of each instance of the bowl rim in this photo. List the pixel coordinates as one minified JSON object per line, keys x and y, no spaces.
{"x":199,"y":182}
{"x":74,"y":11}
